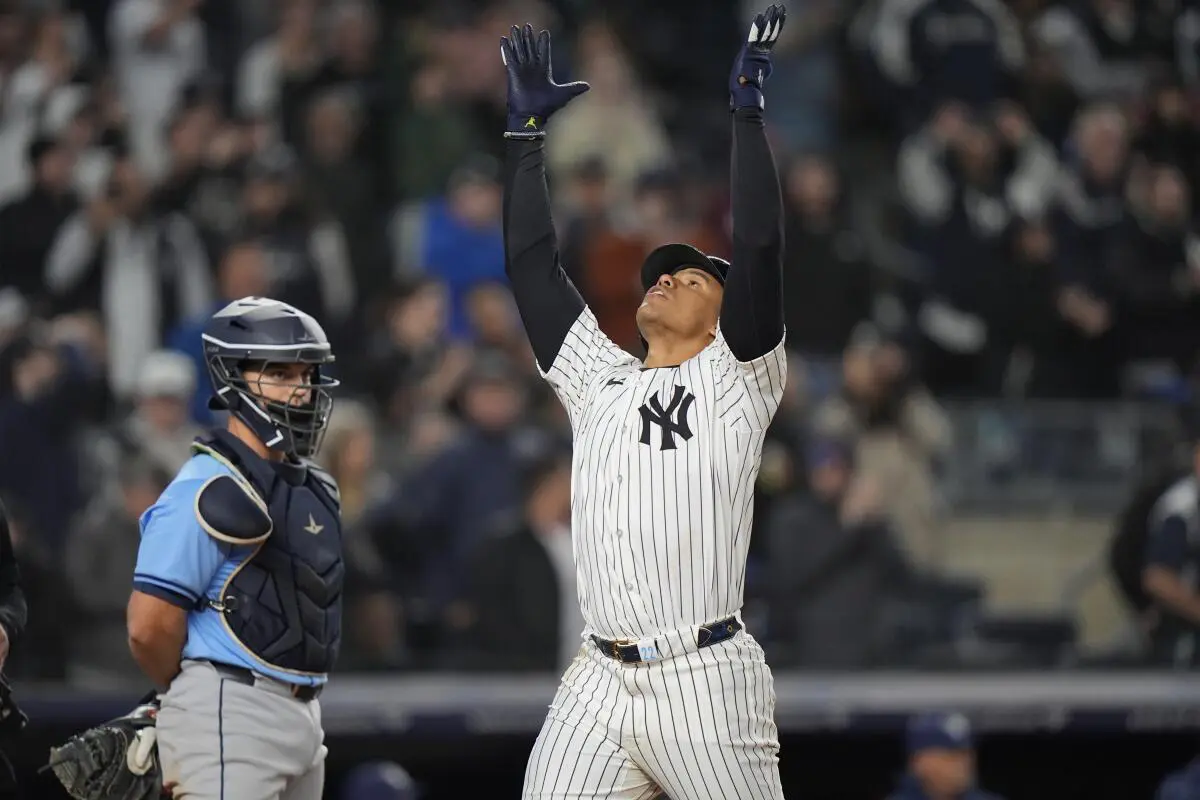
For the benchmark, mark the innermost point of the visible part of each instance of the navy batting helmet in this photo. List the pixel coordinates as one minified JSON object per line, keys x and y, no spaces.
{"x":256,"y":331}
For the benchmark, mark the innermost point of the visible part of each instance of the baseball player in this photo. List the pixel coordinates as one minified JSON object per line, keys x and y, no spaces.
{"x":668,"y":693}
{"x":236,"y":604}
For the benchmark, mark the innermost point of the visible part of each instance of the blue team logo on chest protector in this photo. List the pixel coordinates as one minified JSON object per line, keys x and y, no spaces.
{"x":284,"y":602}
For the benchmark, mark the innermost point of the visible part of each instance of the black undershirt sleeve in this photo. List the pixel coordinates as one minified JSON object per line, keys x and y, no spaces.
{"x":752,"y":309}
{"x":548,"y":302}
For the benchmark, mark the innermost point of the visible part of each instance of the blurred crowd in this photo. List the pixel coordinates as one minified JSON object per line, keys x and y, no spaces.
{"x":983,"y":200}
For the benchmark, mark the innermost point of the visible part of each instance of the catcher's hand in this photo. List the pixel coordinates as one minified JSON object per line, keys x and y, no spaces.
{"x":753,"y":64}
{"x":114,"y":761}
{"x":532,"y":93}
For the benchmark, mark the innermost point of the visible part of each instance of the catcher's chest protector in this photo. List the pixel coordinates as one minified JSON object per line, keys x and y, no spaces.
{"x":284,"y":603}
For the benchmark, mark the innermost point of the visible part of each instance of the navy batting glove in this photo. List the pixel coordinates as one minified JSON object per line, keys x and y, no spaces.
{"x":753,"y":64}
{"x":532,"y":93}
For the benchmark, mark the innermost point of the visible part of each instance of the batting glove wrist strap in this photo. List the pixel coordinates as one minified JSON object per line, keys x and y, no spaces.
{"x":525,"y":127}
{"x":533,"y":96}
{"x":753,"y":64}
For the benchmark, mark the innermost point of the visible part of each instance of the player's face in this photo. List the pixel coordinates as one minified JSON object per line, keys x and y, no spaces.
{"x":282,"y":383}
{"x":686,"y":303}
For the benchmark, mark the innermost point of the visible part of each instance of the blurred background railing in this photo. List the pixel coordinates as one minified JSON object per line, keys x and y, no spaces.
{"x":1021,"y":459}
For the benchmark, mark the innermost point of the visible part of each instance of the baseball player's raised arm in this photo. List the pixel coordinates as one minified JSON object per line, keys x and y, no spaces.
{"x":751,"y":335}
{"x":547,"y":300}
{"x":567,"y":341}
{"x":752,"y":309}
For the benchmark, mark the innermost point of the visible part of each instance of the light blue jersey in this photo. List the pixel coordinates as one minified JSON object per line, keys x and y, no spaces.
{"x":180,"y":563}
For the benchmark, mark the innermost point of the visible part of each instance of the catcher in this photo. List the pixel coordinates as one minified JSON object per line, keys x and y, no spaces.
{"x":237,"y":591}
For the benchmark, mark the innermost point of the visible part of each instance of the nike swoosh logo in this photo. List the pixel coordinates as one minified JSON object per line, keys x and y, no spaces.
{"x":615,"y":382}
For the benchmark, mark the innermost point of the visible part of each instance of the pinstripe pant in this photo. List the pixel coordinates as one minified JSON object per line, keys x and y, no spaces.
{"x":699,"y":726}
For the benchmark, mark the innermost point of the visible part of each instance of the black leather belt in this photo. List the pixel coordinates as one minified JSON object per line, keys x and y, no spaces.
{"x":242,"y":675}
{"x":710,"y":633}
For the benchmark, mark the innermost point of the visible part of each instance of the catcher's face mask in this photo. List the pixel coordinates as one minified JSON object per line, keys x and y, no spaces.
{"x":293,"y":397}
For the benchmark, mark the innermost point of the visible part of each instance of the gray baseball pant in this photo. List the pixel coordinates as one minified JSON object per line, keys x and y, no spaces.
{"x":224,"y":740}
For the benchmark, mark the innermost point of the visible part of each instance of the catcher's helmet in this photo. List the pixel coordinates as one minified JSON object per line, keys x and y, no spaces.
{"x":255,"y":331}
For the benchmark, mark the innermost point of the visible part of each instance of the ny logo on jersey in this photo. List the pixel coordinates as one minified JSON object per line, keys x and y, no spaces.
{"x":672,"y":419}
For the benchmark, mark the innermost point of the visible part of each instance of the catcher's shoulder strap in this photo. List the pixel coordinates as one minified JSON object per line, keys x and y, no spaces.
{"x":224,"y":448}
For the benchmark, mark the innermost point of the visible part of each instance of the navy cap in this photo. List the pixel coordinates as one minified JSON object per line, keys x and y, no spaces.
{"x":939,"y":731}
{"x":670,"y":258}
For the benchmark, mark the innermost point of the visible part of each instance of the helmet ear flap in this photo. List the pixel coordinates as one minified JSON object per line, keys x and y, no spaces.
{"x":231,"y":393}
{"x":225,"y":380}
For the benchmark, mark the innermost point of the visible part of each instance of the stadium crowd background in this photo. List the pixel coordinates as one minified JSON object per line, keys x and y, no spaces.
{"x":992,"y":296}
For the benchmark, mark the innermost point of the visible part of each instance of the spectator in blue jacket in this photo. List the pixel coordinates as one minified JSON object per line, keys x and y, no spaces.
{"x":941,"y":761}
{"x":456,"y":238}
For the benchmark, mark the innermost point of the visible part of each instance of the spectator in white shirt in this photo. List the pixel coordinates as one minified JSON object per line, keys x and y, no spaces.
{"x":158,"y":47}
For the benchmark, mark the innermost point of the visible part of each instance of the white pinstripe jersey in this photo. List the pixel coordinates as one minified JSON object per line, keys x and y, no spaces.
{"x":663,"y":472}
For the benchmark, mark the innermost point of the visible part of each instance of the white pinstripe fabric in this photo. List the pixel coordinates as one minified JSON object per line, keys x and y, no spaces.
{"x":661,"y":535}
{"x":661,"y":519}
{"x":697,"y":727}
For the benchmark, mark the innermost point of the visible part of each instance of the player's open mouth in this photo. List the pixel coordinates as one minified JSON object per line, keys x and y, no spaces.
{"x":655,"y":293}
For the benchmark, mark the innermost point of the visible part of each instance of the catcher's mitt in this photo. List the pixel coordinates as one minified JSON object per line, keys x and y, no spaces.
{"x":114,"y":761}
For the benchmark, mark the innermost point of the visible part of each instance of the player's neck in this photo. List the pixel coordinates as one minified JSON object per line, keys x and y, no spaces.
{"x":669,"y":352}
{"x":242,"y":431}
